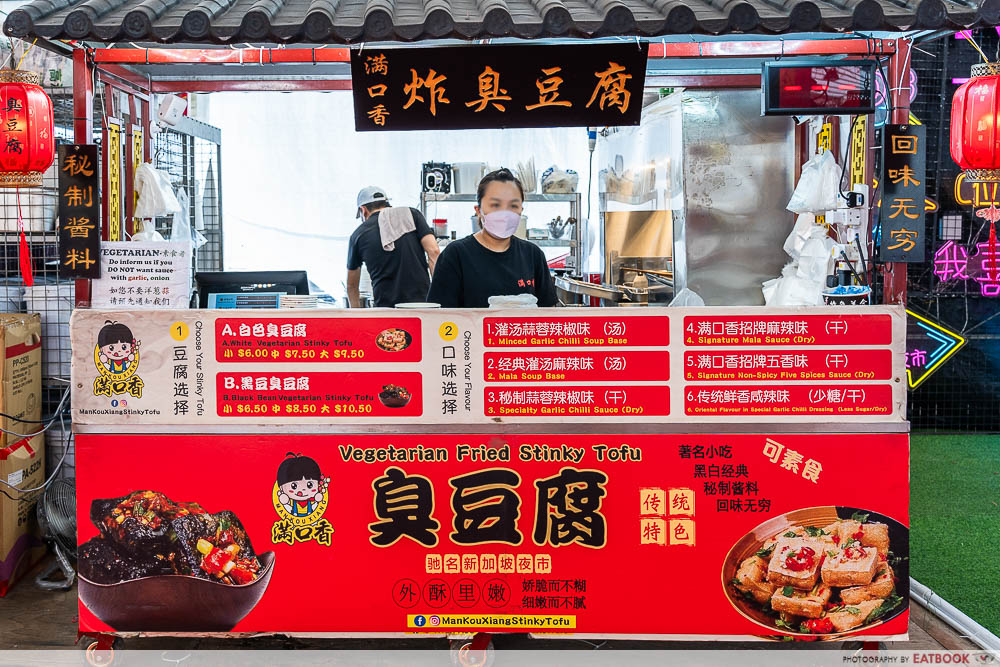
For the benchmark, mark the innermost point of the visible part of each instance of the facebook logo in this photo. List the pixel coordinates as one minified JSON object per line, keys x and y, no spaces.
{"x":420,"y":621}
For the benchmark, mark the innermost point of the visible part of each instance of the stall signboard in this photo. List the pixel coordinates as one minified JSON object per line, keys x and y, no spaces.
{"x":605,"y":533}
{"x":707,"y":365}
{"x":143,"y":274}
{"x":497,"y":86}
{"x":79,"y":211}
{"x":903,"y":197}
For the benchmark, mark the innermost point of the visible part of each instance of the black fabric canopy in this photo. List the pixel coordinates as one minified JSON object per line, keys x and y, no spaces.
{"x":347,"y":21}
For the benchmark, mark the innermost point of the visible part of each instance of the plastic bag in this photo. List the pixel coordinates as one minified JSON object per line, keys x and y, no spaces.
{"x":557,"y":181}
{"x":814,"y":260}
{"x":148,"y":235}
{"x":805,"y":229}
{"x":180,"y":227}
{"x":818,"y":189}
{"x":792,"y":290}
{"x":686,"y":298}
{"x":514,"y":301}
{"x":156,"y":196}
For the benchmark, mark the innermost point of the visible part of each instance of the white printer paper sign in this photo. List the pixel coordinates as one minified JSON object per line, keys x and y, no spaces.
{"x":143,"y":275}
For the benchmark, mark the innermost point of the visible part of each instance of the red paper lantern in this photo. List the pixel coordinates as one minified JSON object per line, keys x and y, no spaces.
{"x":27,"y":144}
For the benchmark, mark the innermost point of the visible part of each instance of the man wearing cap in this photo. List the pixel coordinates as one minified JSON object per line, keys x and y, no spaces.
{"x":398,"y":248}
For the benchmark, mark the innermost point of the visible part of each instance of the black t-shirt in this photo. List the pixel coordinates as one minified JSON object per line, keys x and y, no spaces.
{"x":399,"y":276}
{"x":467,"y":274}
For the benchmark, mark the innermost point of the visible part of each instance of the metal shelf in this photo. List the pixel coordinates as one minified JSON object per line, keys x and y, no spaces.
{"x":553,"y":243}
{"x":530,"y":197}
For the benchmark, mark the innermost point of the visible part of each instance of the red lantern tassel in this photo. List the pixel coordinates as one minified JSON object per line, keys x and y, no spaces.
{"x":23,"y":252}
{"x":993,"y":251}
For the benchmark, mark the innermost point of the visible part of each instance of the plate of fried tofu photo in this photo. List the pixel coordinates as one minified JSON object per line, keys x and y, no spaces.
{"x":820,"y":572}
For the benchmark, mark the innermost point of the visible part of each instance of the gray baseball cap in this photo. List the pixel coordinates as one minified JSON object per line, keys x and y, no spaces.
{"x":370,"y":195}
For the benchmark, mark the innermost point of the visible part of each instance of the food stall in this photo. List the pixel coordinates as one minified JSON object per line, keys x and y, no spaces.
{"x":446,"y":473}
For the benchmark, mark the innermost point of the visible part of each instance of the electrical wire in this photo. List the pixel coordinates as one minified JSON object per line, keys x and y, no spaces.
{"x":58,"y":411}
{"x":52,"y":476}
{"x":25,"y":54}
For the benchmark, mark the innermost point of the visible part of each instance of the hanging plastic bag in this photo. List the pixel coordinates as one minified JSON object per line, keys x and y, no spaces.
{"x":805,"y":229}
{"x":156,"y":196}
{"x":818,"y":189}
{"x":814,"y":260}
{"x":180,"y":227}
{"x":792,"y":290}
{"x":687,"y":299}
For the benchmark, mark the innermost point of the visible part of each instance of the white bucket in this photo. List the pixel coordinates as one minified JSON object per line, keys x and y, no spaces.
{"x":466,"y":177}
{"x":55,"y":305}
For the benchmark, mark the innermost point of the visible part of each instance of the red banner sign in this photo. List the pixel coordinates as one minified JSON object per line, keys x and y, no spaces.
{"x":578,"y":401}
{"x":834,"y":400}
{"x":803,"y":329}
{"x":621,"y":331}
{"x":597,"y":533}
{"x":576,"y":366}
{"x":782,"y":365}
{"x":317,"y":340}
{"x":313,"y":394}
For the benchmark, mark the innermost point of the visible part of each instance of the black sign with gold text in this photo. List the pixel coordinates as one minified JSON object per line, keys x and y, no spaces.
{"x":469,"y":87}
{"x":903,"y":193}
{"x":79,"y":212}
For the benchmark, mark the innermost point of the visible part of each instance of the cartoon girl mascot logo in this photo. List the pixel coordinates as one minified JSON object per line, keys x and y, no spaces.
{"x":300,"y":497}
{"x":117,"y":359}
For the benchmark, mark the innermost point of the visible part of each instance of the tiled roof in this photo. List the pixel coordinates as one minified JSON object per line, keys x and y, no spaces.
{"x":346,"y":21}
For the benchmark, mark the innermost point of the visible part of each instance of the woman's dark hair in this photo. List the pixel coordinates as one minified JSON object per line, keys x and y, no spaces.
{"x":503,"y":175}
{"x":297,"y":467}
{"x":114,"y":332}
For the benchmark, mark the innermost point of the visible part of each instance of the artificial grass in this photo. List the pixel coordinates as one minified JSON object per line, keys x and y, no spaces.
{"x":955,"y":521}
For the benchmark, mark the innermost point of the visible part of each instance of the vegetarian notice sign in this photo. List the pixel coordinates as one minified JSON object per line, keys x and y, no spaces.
{"x":143,"y":275}
{"x":776,"y":535}
{"x":190,"y":367}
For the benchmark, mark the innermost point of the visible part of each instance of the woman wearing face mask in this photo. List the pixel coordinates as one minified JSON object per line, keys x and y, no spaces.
{"x":492,"y":261}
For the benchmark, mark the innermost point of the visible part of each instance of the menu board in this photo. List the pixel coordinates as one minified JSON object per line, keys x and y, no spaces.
{"x":778,"y":535}
{"x":702,"y":365}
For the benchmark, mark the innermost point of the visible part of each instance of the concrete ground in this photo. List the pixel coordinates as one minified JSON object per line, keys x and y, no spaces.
{"x":34,"y":619}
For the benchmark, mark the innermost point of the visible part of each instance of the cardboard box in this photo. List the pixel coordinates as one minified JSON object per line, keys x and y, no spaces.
{"x":21,"y":382}
{"x":23,"y":465}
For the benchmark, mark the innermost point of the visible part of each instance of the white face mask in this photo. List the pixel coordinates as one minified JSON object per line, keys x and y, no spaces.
{"x":501,"y":224}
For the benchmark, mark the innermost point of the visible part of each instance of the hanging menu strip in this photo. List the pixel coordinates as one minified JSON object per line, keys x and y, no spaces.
{"x":622,"y":331}
{"x":787,"y":364}
{"x":826,"y":329}
{"x":318,"y":340}
{"x":577,"y":366}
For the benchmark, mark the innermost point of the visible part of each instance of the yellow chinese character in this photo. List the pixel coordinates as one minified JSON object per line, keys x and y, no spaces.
{"x":653,"y":531}
{"x":378,"y":64}
{"x":904,"y":145}
{"x":681,"y":502}
{"x":378,"y":114}
{"x":905,"y":239}
{"x":811,"y":471}
{"x":79,"y":228}
{"x":682,"y":532}
{"x":543,"y":564}
{"x":652,"y":501}
{"x":431,"y":83}
{"x":490,"y":91}
{"x":433,"y":564}
{"x":79,"y":258}
{"x":901,"y":206}
{"x":611,"y":87}
{"x":904,"y":176}
{"x":76,"y":196}
{"x":548,"y":90}
{"x":378,"y":90}
{"x":78,"y":164}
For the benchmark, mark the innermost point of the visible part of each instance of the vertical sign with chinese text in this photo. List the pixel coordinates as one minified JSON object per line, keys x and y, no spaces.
{"x":116,"y":174}
{"x":469,"y":87}
{"x":903,"y":192}
{"x":79,"y":211}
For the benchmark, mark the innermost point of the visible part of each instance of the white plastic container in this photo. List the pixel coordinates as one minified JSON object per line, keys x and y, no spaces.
{"x":466,"y":177}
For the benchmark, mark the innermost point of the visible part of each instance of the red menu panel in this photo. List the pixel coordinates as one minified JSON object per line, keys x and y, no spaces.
{"x":318,"y":340}
{"x":788,"y":330}
{"x":847,"y":399}
{"x":311,"y":394}
{"x":621,"y":331}
{"x":592,"y":401}
{"x":576,"y":366}
{"x":781,"y":365}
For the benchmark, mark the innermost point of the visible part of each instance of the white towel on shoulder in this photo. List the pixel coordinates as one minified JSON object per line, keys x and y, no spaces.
{"x":393,"y":223}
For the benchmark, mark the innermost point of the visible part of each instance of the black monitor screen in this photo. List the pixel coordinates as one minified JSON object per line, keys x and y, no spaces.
{"x":248,"y":289}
